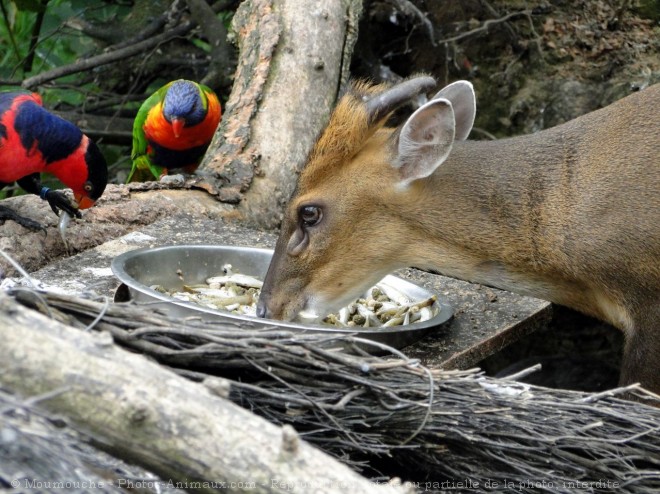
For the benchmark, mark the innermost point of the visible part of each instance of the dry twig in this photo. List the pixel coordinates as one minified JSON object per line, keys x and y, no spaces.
{"x":455,"y":425}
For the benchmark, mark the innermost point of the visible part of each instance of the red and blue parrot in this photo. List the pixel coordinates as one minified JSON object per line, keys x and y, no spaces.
{"x":35,"y":141}
{"x":173,"y":129}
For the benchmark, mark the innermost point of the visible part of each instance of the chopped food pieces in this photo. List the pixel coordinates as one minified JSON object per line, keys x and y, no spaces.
{"x":383,"y":306}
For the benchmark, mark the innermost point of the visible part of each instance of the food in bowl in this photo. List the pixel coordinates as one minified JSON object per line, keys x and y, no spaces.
{"x":382,"y":306}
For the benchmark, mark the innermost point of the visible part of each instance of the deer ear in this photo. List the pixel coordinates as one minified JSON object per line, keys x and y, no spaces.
{"x":463,"y":101}
{"x":425,"y":140}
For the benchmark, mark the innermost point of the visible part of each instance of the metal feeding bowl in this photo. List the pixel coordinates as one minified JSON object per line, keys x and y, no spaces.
{"x":173,"y":266}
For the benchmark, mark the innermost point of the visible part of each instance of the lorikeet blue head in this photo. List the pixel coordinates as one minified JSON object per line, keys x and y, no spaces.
{"x":184,"y":105}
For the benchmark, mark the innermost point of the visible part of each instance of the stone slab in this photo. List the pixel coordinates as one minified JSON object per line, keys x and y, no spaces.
{"x":485,"y":319}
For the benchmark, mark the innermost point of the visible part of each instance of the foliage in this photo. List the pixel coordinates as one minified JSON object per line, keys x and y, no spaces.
{"x":38,"y":36}
{"x":57,"y":43}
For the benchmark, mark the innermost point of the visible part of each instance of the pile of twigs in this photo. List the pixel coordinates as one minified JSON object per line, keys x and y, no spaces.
{"x":452,"y":427}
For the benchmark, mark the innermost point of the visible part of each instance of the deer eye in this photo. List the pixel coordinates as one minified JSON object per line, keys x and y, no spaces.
{"x":310,"y":215}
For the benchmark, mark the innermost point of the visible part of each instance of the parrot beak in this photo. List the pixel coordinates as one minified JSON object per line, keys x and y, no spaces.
{"x":177,"y":126}
{"x":84,"y":202}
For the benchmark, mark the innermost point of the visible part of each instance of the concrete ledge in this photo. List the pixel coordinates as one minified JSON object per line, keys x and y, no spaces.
{"x":485,"y":319}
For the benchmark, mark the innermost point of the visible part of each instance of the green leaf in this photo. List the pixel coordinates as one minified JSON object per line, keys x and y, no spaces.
{"x":202,"y":45}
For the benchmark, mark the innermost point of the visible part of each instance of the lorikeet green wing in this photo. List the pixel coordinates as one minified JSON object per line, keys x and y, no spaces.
{"x":143,"y":169}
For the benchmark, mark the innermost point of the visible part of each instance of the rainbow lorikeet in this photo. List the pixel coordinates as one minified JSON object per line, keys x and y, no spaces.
{"x":34,"y":141}
{"x":173,"y":129}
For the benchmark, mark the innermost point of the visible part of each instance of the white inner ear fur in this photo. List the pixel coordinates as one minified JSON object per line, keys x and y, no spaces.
{"x":425,"y":141}
{"x":463,"y":101}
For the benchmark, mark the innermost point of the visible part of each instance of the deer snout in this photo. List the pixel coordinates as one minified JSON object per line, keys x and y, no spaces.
{"x":280,"y":304}
{"x":262,"y":309}
{"x":270,"y":306}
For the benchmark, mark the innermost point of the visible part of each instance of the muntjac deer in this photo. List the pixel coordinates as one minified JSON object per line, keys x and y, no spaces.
{"x":570,"y":214}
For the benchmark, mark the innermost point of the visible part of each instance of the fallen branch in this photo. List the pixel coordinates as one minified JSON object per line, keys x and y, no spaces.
{"x":148,"y":415}
{"x":38,"y":452}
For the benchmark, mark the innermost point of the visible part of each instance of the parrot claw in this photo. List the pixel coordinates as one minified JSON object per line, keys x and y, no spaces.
{"x":59,"y":201}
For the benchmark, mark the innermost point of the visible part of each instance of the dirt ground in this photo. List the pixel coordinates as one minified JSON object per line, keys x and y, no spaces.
{"x":533,"y":64}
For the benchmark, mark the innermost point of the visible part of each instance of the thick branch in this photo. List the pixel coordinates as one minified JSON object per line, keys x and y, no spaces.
{"x":109,"y":34}
{"x":106,"y":58}
{"x":215,"y":32}
{"x":164,"y":422}
{"x":120,"y":51}
{"x":34,"y":38}
{"x":10,"y":31}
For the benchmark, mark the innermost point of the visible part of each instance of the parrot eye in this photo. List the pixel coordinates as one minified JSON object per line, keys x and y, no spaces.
{"x":88,"y":186}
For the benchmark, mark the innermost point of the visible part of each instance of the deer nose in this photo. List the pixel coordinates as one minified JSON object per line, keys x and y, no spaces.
{"x":262,"y":310}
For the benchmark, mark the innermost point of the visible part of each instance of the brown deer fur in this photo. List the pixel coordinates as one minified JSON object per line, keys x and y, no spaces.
{"x":569,"y":214}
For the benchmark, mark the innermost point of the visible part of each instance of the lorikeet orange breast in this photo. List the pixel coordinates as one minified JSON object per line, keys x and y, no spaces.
{"x":35,"y":141}
{"x":173,"y":129}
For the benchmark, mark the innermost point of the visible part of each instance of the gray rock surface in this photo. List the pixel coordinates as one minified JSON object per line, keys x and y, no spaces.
{"x":485,"y":319}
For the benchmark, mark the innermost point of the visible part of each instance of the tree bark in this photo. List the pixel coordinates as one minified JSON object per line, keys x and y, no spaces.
{"x":145,"y":414}
{"x":294,"y":58}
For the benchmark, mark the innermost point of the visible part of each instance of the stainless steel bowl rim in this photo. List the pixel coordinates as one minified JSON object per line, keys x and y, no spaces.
{"x":118,"y":268}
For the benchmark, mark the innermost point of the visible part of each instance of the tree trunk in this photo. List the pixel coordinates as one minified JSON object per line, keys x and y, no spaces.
{"x":294,"y":58}
{"x":150,"y":416}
